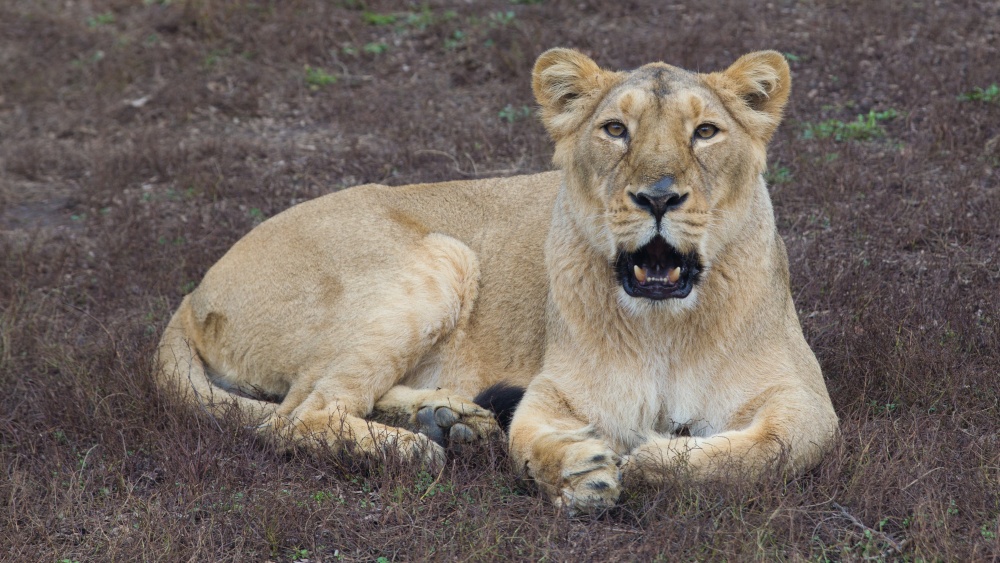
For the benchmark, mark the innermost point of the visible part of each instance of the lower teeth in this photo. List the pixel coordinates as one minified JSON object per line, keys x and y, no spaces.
{"x":643,"y":277}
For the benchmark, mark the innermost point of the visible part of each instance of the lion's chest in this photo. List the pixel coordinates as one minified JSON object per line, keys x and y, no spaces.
{"x":637,"y":400}
{"x":688,"y":402}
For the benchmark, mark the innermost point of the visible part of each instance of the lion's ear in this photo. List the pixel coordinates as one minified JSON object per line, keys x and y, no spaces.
{"x":759,"y":83}
{"x":564,"y":81}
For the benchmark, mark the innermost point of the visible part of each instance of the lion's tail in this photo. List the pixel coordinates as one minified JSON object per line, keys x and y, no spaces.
{"x":181,"y":371}
{"x":502,"y":399}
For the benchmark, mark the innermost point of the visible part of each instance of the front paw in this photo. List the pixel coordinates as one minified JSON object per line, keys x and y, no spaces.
{"x":590,"y":479}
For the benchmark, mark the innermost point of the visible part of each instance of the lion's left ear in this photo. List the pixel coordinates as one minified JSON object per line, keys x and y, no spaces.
{"x":758,"y":84}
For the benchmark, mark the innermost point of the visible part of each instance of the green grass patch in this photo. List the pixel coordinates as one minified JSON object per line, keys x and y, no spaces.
{"x":510,"y":114}
{"x":375,"y":48}
{"x":374,"y":18}
{"x":408,"y":20}
{"x":776,"y":175}
{"x":317,"y":78}
{"x":989,"y":94}
{"x":502,"y":19}
{"x":456,"y":40}
{"x":865,"y":128}
{"x":107,"y":18}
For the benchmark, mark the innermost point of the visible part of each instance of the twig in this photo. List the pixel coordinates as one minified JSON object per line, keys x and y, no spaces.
{"x":914,"y":482}
{"x":100,"y":324}
{"x":83,"y":464}
{"x":898,"y":548}
{"x":894,"y":545}
{"x":454,"y":160}
{"x":435,"y":482}
{"x":627,"y":531}
{"x":475,"y":169}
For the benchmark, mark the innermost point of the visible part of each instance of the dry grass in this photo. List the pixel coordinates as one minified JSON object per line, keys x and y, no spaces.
{"x":138,"y":140}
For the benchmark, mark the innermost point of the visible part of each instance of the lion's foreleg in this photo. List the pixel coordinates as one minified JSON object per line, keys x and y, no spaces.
{"x":564,"y":456}
{"x":744,"y":452}
{"x":779,"y":430}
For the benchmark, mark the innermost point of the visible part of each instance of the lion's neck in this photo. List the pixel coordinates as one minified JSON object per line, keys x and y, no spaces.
{"x":589,"y":311}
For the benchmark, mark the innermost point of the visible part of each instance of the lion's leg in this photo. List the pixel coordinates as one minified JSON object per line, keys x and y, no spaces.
{"x":745,"y":452}
{"x":567,"y":459}
{"x":391,"y":328}
{"x":781,"y":428}
{"x":318,"y":421}
{"x":442,"y":415}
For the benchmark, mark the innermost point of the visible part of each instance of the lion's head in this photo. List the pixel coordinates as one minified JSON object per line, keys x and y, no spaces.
{"x":663,"y":166}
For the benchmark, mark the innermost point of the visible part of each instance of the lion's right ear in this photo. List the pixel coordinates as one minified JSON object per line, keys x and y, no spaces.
{"x":564,"y":82}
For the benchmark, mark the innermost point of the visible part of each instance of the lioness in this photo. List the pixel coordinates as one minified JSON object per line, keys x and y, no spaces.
{"x":640,"y":294}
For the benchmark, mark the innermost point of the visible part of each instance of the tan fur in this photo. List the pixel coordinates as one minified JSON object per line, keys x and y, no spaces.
{"x":728,"y":364}
{"x":411,"y":300}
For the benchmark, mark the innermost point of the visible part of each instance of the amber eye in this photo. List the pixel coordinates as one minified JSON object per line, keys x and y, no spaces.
{"x":616,"y":130}
{"x":705,"y":131}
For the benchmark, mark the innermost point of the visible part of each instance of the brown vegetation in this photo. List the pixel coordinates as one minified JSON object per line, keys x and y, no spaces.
{"x":139,"y":140}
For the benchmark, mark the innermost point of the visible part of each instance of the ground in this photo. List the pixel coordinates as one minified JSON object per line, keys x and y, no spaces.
{"x":139,"y":140}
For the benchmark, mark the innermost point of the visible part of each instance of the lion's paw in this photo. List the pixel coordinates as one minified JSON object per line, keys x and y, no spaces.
{"x":409,"y":447}
{"x":452,"y":420}
{"x":591,"y":479}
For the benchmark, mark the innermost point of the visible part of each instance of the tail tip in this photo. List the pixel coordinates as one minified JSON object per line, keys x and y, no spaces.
{"x":502,"y":399}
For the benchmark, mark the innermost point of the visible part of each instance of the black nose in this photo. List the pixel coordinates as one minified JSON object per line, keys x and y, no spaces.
{"x":659,"y":198}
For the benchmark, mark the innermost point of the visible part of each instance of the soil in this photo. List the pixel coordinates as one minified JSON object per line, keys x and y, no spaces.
{"x":139,"y":140}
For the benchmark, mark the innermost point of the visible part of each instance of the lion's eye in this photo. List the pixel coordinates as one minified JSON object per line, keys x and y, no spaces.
{"x":705,"y":131}
{"x":615,"y":129}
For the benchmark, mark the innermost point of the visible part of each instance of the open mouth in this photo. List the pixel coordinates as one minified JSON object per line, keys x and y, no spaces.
{"x":658,"y":271}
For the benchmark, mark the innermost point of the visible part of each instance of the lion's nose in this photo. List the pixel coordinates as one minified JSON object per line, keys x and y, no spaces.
{"x":659,"y":197}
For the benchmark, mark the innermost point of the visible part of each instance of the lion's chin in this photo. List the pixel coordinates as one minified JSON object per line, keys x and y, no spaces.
{"x":658,"y":271}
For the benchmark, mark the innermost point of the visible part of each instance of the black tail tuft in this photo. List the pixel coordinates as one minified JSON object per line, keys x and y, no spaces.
{"x":502,"y":399}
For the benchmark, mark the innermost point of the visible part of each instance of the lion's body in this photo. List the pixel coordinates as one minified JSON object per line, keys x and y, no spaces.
{"x":642,"y":296}
{"x":353,"y":293}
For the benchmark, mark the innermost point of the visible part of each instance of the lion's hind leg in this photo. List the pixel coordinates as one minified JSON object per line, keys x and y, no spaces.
{"x":440,"y":414}
{"x":384,"y":328}
{"x":318,"y":424}
{"x":181,"y":371}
